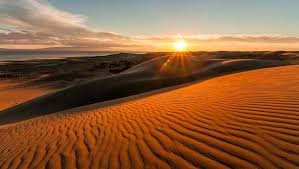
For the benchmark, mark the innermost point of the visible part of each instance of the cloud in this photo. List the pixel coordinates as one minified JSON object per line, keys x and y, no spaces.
{"x":225,"y":38}
{"x":259,"y":38}
{"x":225,"y":42}
{"x":37,"y":23}
{"x":40,"y":16}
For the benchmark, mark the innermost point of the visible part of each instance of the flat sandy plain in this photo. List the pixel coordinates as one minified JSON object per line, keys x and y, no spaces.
{"x":243,"y":120}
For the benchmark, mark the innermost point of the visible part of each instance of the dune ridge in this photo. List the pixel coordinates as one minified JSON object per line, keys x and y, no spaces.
{"x":243,"y":120}
{"x":150,"y":75}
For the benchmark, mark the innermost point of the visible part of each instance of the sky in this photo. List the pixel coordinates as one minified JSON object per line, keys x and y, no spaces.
{"x":149,"y":25}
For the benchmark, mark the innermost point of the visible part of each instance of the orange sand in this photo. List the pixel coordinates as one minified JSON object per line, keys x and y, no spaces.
{"x":244,"y":120}
{"x":11,"y":94}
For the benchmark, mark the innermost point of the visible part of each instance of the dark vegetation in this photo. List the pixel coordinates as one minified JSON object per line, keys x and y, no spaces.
{"x":66,"y":72}
{"x":69,"y":71}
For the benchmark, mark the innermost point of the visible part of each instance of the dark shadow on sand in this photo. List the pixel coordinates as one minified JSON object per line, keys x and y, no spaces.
{"x":142,"y":78}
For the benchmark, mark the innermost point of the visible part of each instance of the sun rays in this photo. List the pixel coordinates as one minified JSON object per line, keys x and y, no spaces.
{"x":178,"y":63}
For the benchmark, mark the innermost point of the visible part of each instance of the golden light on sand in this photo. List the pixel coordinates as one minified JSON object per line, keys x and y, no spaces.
{"x":180,"y":45}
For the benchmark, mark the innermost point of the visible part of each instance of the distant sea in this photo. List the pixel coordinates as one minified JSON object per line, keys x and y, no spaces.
{"x":27,"y":56}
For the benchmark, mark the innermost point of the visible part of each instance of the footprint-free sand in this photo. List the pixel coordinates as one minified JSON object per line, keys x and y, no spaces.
{"x":242,"y":120}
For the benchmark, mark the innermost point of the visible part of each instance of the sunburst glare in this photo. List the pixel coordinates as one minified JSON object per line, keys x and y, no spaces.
{"x":180,"y":45}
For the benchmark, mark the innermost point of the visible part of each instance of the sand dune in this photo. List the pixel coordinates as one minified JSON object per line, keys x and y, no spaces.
{"x":11,"y":94}
{"x":153,"y":74}
{"x":243,"y":120}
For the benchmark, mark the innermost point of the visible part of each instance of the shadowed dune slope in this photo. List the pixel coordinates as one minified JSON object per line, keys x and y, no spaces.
{"x":243,"y":120}
{"x":11,"y":94}
{"x":154,"y":74}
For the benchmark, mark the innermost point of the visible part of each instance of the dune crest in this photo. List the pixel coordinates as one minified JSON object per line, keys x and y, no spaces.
{"x":244,"y":120}
{"x":153,"y":74}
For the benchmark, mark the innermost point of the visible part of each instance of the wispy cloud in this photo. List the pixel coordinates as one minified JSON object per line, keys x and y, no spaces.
{"x":40,"y":16}
{"x":38,"y":23}
{"x":227,"y":42}
{"x":225,"y":38}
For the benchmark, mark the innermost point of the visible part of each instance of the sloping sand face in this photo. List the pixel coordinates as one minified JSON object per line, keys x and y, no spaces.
{"x":244,"y":120}
{"x":154,"y":74}
{"x":11,"y":94}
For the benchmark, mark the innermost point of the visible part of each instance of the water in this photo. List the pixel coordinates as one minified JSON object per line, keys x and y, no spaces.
{"x":28,"y":56}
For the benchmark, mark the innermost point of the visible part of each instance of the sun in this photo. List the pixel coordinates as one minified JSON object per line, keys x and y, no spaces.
{"x":180,"y":45}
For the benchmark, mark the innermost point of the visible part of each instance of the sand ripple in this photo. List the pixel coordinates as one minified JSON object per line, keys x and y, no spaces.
{"x":244,"y":120}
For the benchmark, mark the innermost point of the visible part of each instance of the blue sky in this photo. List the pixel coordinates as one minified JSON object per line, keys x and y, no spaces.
{"x":149,"y":25}
{"x":154,"y":17}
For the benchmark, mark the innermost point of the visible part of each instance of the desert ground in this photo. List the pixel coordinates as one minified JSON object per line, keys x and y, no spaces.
{"x":219,"y":110}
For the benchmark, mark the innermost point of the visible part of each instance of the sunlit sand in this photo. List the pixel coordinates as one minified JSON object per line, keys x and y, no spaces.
{"x":149,"y":84}
{"x":11,"y":94}
{"x":243,"y":120}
